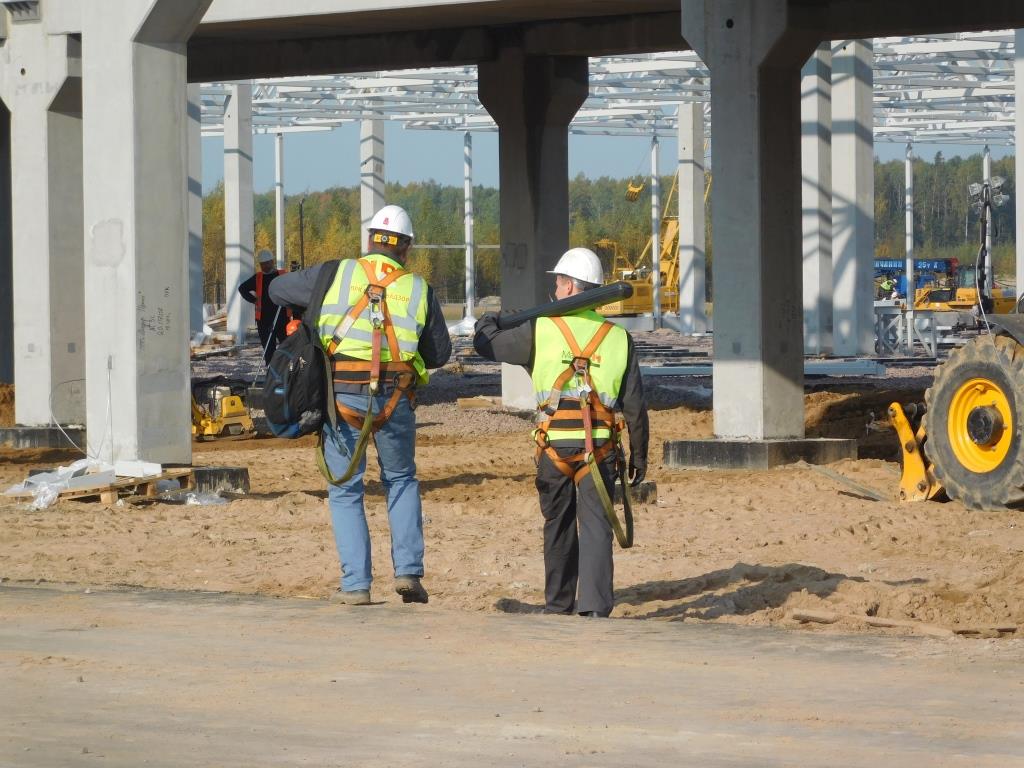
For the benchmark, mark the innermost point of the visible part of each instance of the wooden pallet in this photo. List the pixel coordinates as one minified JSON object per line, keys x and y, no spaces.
{"x":133,"y":486}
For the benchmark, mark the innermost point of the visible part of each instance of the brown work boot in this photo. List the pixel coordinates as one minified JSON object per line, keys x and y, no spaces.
{"x":355,"y":597}
{"x":410,"y":589}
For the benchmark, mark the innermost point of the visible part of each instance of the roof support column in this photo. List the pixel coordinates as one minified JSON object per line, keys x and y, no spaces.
{"x":1018,"y":70}
{"x":986,"y":173}
{"x":853,"y":198}
{"x":239,"y":212}
{"x":195,"y":210}
{"x":908,"y":239}
{"x":371,"y":174}
{"x":755,"y":59}
{"x":135,"y":142}
{"x":6,"y":260}
{"x":279,"y":200}
{"x":532,"y":99}
{"x":693,"y":316}
{"x":467,"y":212}
{"x":816,"y":155}
{"x":42,"y":87}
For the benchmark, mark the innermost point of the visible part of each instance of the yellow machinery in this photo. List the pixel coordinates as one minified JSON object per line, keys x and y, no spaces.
{"x":219,"y":411}
{"x":639,"y":273}
{"x":959,"y":294}
{"x":966,"y":440}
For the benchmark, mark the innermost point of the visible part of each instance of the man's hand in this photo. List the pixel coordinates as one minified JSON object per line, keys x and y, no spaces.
{"x":637,"y":472}
{"x":487,"y":318}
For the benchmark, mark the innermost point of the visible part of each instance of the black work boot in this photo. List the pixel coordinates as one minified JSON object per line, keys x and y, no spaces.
{"x":410,"y":589}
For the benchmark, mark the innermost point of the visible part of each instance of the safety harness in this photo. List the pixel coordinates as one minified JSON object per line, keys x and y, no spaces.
{"x":369,"y":372}
{"x":585,"y":410}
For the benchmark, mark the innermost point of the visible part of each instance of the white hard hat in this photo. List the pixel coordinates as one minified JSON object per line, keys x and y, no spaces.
{"x":581,"y":264}
{"x":394,"y":219}
{"x":265,"y":256}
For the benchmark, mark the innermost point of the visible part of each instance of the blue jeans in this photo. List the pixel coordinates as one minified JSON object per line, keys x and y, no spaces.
{"x":396,"y":454}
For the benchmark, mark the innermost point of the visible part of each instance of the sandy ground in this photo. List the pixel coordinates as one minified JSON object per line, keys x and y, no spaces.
{"x":717,"y":546}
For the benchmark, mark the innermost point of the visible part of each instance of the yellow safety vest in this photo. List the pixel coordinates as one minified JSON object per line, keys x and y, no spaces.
{"x":553,"y":356}
{"x":406,"y":300}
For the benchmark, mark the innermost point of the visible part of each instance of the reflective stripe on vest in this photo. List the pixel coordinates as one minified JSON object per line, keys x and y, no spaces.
{"x":406,"y":300}
{"x":552,"y":356}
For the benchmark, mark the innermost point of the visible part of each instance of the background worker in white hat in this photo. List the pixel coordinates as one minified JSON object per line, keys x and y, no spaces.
{"x":577,"y":361}
{"x":270,"y":323}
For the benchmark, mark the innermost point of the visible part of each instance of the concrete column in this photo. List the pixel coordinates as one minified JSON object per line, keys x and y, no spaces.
{"x":135,"y":142}
{"x":42,"y":85}
{"x":755,"y":60}
{"x":986,"y":171}
{"x":195,"y":210}
{"x":279,"y":200}
{"x":532,"y":99}
{"x":655,"y":235}
{"x":909,"y":240}
{"x":693,"y":316}
{"x":6,"y":261}
{"x":239,"y":213}
{"x":467,"y":192}
{"x":853,"y":198}
{"x":816,"y":159}
{"x":1018,"y":71}
{"x":371,"y":173}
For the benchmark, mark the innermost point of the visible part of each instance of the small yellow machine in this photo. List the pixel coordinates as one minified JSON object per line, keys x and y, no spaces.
{"x":966,"y":440}
{"x":219,"y":410}
{"x":959,"y":294}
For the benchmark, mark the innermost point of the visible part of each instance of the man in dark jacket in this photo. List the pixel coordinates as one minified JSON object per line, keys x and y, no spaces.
{"x":270,"y":323}
{"x":576,"y":362}
{"x":407,"y":313}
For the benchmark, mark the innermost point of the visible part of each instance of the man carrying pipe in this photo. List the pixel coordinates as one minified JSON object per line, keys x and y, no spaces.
{"x":586,"y":378}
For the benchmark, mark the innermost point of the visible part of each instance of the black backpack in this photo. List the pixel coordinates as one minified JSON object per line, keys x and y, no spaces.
{"x":298,"y":391}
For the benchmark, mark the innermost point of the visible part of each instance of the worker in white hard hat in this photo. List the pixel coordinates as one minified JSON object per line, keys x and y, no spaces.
{"x":585,"y":375}
{"x":382,"y":329}
{"x":271,"y":319}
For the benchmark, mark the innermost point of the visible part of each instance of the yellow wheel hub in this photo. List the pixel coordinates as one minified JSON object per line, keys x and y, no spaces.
{"x":980,"y":401}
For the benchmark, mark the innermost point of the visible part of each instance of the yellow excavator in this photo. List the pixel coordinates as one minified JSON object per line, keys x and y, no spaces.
{"x":639,"y":273}
{"x":966,"y":440}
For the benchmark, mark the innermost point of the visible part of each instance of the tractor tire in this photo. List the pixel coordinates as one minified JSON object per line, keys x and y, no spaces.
{"x":974,"y":421}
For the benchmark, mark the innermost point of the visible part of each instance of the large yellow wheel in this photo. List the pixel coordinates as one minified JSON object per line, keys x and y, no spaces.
{"x":974,"y":422}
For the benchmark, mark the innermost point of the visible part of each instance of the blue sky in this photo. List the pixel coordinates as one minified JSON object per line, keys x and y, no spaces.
{"x":315,"y":161}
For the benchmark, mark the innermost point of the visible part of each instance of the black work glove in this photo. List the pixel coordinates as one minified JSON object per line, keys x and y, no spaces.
{"x":637,"y":472}
{"x":487,"y":318}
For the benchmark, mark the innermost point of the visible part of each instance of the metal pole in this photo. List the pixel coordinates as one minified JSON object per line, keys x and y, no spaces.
{"x":302,"y":235}
{"x":467,"y":176}
{"x":911,"y":282}
{"x":655,"y":235}
{"x":279,"y":197}
{"x":987,"y":212}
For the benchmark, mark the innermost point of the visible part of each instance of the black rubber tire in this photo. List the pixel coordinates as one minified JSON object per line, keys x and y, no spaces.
{"x":1001,"y":360}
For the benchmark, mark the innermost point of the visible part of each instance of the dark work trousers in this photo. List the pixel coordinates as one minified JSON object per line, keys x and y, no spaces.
{"x":571,"y":558}
{"x":267,"y":330}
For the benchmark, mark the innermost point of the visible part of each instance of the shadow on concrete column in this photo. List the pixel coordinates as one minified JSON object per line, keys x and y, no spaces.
{"x":6,"y":248}
{"x":532,"y":99}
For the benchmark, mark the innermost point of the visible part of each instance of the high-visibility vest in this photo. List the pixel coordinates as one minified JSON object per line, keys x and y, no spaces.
{"x":553,"y":356}
{"x":406,"y":300}
{"x":259,"y":292}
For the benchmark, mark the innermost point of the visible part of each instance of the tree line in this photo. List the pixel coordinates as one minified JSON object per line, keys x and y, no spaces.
{"x":944,"y":224}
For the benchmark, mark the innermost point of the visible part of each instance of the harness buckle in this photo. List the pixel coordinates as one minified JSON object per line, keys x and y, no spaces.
{"x":581,"y":366}
{"x":376,"y":295}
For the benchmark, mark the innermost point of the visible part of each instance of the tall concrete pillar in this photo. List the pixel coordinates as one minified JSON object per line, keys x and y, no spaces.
{"x":239,"y":212}
{"x":195,"y":210}
{"x":1018,"y":73}
{"x":467,"y":211}
{"x":279,"y":200}
{"x":371,"y":173}
{"x":816,"y":157}
{"x":532,"y":99}
{"x":853,"y":198}
{"x":42,"y":85}
{"x":6,"y":248}
{"x":655,"y":235}
{"x":755,"y":59}
{"x":693,"y":316}
{"x":135,"y":141}
{"x":908,"y":239}
{"x":986,"y":172}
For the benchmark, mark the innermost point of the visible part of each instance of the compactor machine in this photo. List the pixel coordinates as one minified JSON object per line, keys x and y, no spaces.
{"x":219,"y":410}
